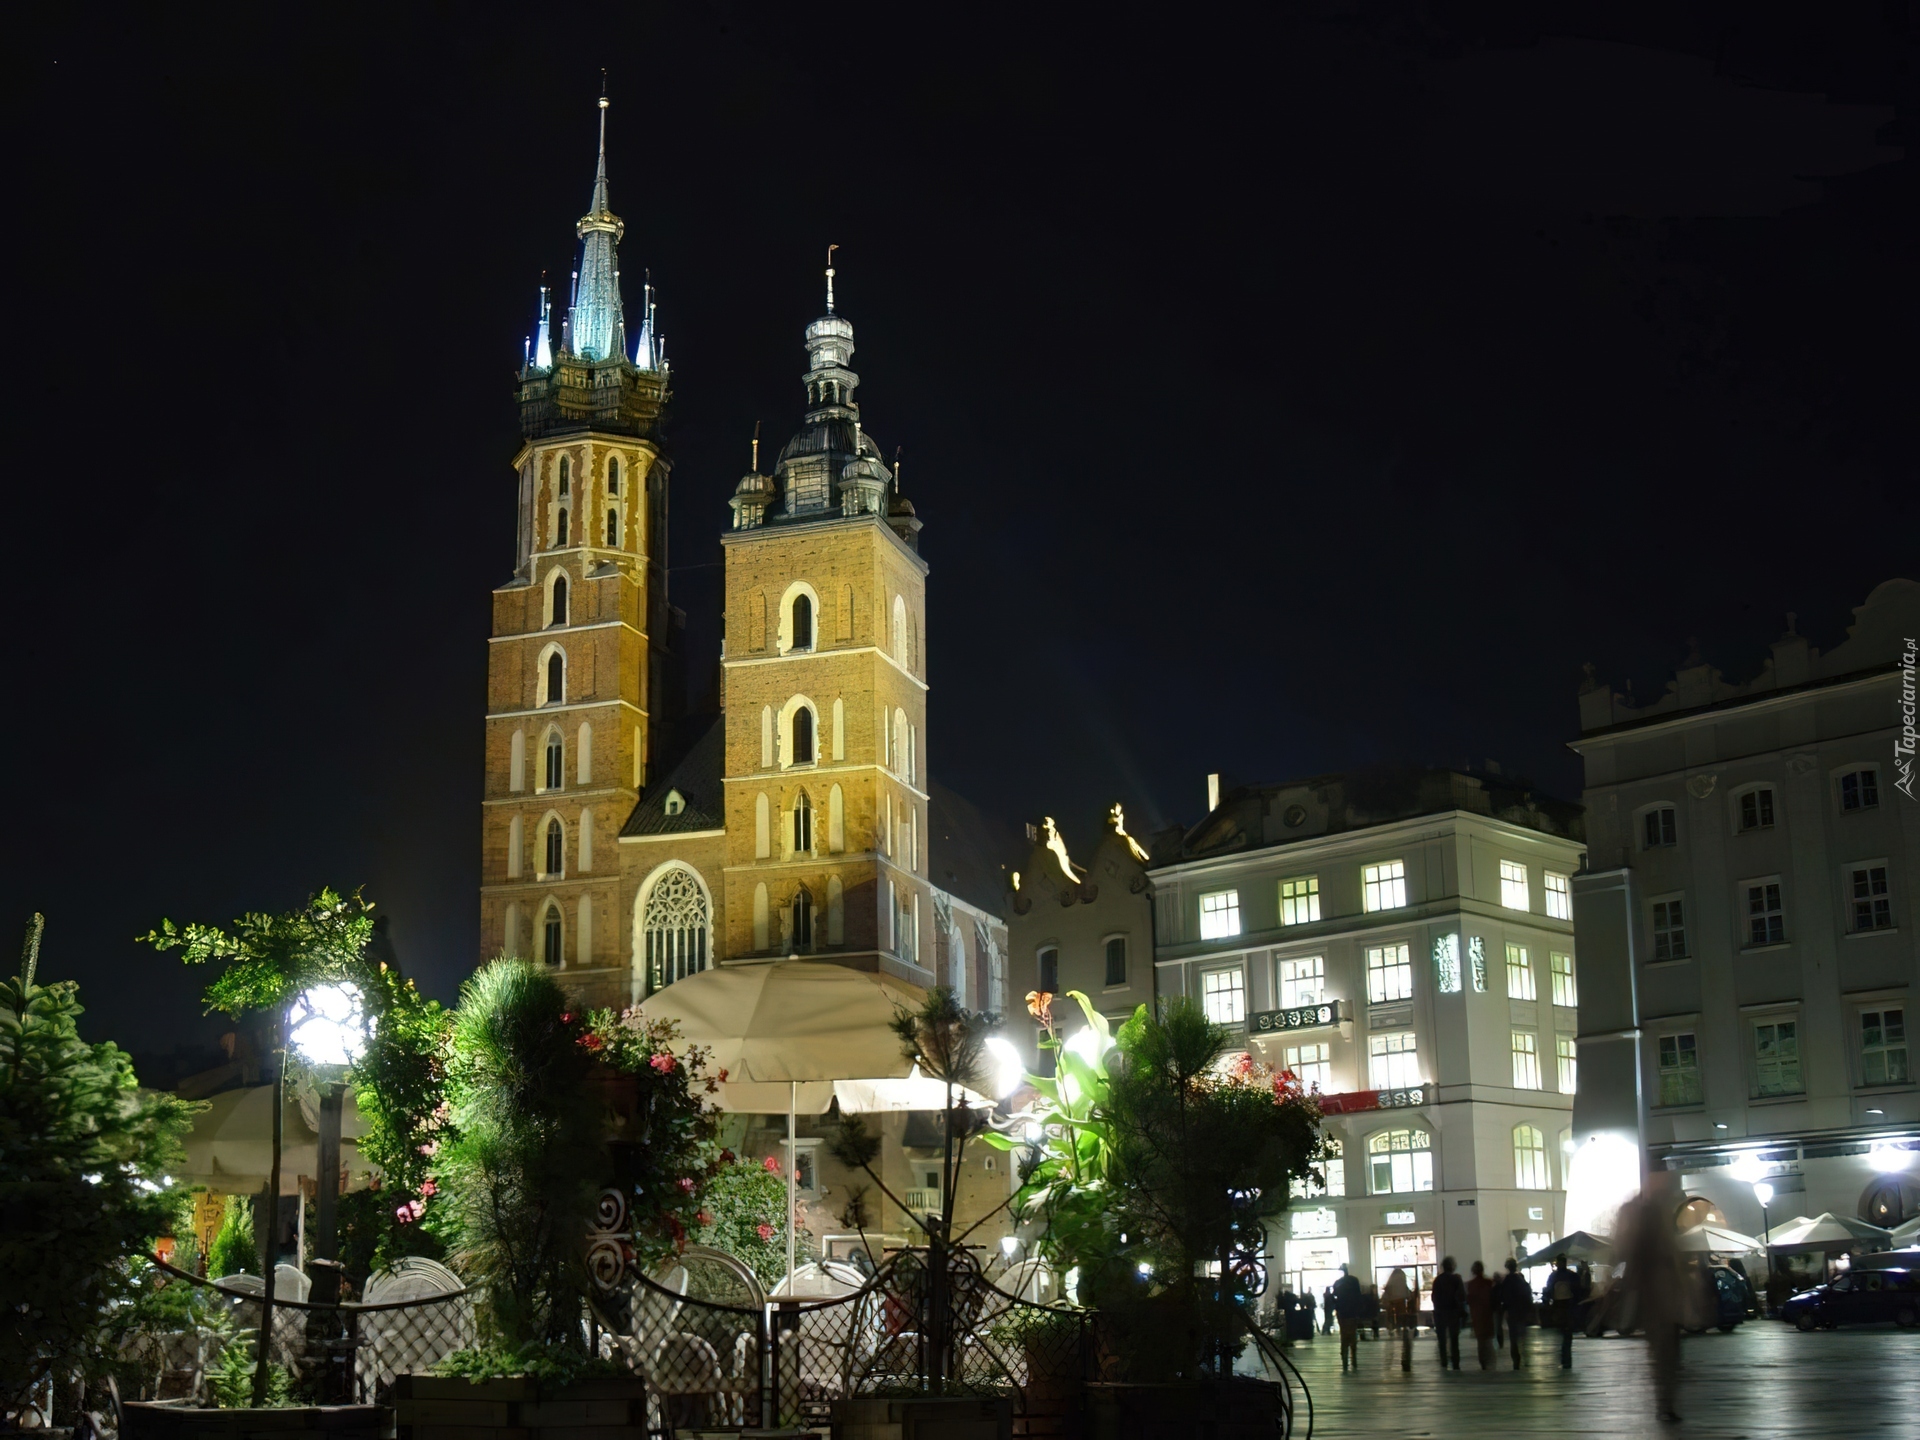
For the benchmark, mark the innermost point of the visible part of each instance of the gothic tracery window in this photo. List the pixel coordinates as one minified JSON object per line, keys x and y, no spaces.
{"x":674,"y":928}
{"x":560,"y":530}
{"x":802,"y":736}
{"x":802,"y":920}
{"x":556,"y":847}
{"x":556,"y":678}
{"x":550,"y":947}
{"x":802,"y":824}
{"x":560,"y":600}
{"x":556,"y":762}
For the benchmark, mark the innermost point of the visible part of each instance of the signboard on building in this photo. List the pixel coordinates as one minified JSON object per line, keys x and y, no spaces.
{"x":1399,"y":1217}
{"x":1356,"y":1100}
{"x":1312,"y":1224}
{"x":1300,"y":1017}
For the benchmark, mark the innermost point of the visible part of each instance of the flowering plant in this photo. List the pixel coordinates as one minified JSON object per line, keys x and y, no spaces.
{"x":746,"y":1204}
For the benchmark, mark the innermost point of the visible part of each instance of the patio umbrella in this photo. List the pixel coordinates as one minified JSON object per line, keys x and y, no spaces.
{"x":1907,"y":1234}
{"x":1718,"y":1240}
{"x":1594,"y":1249}
{"x":788,"y":1026}
{"x":230,"y":1148}
{"x":1826,"y":1232}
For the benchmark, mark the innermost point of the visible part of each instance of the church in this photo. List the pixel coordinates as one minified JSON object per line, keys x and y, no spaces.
{"x":627,"y":844}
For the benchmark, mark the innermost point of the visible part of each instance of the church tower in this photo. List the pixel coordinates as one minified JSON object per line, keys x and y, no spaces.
{"x":825,"y":695}
{"x":581,"y":666}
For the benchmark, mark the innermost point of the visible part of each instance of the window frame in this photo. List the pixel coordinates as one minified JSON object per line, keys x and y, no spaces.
{"x":1401,"y":970}
{"x":1306,"y":900}
{"x":553,"y":934}
{"x":1559,"y":898}
{"x":1678,"y":1070}
{"x":1529,"y":1053}
{"x":1569,"y":973}
{"x":1766,"y":811}
{"x":1892,"y":1005}
{"x":1566,"y":1062}
{"x":1231,"y":910}
{"x":1773,"y":918}
{"x":1872,"y":787}
{"x":1237,"y":989}
{"x":1531,"y":1168}
{"x":1288,"y":986}
{"x":1655,"y":930}
{"x":1516,"y":879}
{"x":1378,"y":1154}
{"x":1106,"y":951}
{"x":1522,"y":972}
{"x":1397,"y":1058}
{"x":1377,"y":886}
{"x":1774,"y":1020}
{"x":1041,"y":955}
{"x":1670,"y":831}
{"x":1851,"y":899}
{"x":1310,"y":1072}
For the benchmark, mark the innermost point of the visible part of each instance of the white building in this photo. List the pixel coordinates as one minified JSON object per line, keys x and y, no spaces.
{"x":1403,"y":941}
{"x":1747,"y":931}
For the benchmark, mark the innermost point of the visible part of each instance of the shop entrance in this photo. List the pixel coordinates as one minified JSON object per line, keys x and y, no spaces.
{"x":1409,"y":1250}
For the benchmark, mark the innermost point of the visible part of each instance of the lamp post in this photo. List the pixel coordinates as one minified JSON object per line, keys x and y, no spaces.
{"x":1763,"y":1192}
{"x":328,"y":1028}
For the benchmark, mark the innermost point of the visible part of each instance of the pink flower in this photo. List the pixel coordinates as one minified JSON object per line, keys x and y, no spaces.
{"x":566,"y":1018}
{"x":704,"y":1217}
{"x":764,"y":1230}
{"x":591,"y":1041}
{"x":773,"y":1165}
{"x":403,"y":1213}
{"x":663,"y":1062}
{"x":723,"y":1075}
{"x":431,"y":1148}
{"x":686,"y":1184}
{"x":428,"y":1189}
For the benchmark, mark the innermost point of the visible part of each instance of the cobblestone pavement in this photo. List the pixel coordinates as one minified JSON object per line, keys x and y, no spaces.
{"x":1765,"y":1379}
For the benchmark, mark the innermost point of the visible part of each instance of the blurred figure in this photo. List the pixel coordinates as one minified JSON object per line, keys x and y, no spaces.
{"x":1653,"y":1273}
{"x":1306,"y":1304}
{"x":1516,"y":1304}
{"x":1373,"y":1309}
{"x":1449,"y":1309}
{"x":1402,"y":1313}
{"x":1480,"y":1308}
{"x":1349,"y":1304}
{"x":1562,"y":1295}
{"x":1326,"y":1310}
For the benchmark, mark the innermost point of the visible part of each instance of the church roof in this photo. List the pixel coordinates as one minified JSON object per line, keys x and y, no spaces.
{"x":966,"y":851}
{"x":695,"y":778}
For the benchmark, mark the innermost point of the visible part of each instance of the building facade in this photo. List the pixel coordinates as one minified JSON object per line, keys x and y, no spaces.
{"x":1403,"y":942}
{"x":1748,"y":925}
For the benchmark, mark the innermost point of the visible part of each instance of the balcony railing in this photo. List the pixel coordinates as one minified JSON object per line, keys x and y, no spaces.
{"x":923,"y":1202}
{"x":1297,"y":1017}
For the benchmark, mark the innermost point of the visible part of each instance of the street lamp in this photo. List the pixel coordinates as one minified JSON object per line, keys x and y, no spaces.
{"x":327,"y":1026}
{"x":1763,"y":1192}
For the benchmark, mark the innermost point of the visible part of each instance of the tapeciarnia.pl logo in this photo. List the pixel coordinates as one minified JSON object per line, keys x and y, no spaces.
{"x":1903,"y":747}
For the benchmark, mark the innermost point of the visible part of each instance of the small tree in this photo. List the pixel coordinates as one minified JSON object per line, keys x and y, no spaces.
{"x":82,"y":1156}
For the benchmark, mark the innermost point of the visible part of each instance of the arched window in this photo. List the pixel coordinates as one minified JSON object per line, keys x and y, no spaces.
{"x":1530,"y":1159}
{"x":802,"y":824}
{"x":613,"y":529}
{"x":559,"y":600}
{"x":802,"y":736}
{"x":802,"y":920}
{"x":516,"y":846}
{"x":585,"y":750}
{"x":613,"y":476}
{"x":556,"y":847}
{"x":762,"y":827}
{"x":898,"y":637}
{"x":839,"y":728}
{"x":517,"y":761}
{"x":556,"y":762}
{"x":836,"y":821}
{"x":674,"y":926}
{"x":584,"y":844}
{"x":560,"y":529}
{"x":556,"y":678}
{"x":802,"y":623}
{"x":551,"y":938}
{"x":1399,"y":1162}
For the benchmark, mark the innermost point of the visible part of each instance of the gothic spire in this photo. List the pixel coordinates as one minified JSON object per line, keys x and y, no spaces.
{"x":596,"y":329}
{"x":543,"y":345}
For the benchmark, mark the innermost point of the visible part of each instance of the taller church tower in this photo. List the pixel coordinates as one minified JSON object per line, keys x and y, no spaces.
{"x":581,"y":668}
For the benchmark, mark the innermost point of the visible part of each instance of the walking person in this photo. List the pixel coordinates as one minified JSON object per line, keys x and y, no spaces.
{"x":1326,"y":1309}
{"x":1306,"y":1308}
{"x":1402,"y":1312}
{"x":1349,"y":1304}
{"x":1449,"y":1310}
{"x":1516,"y":1303}
{"x":1562,"y":1294}
{"x":1373,"y":1309}
{"x":1653,"y":1270}
{"x":1480,"y":1308}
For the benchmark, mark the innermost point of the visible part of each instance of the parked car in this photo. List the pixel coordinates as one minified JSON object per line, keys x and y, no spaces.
{"x":1861,"y":1297}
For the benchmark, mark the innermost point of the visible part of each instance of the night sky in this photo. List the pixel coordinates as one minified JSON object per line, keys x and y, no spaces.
{"x":1279,"y":396}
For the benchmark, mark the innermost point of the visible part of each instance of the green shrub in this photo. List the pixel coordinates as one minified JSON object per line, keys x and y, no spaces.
{"x":230,"y":1378}
{"x":744,"y":1212}
{"x":235,"y":1250}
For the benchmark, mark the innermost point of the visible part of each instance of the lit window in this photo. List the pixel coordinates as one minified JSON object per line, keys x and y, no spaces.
{"x":1530,"y":1159}
{"x":1756,"y":810}
{"x":1220,"y":915}
{"x":1766,"y":920}
{"x":556,"y":847}
{"x":556,"y":763}
{"x":674,"y":804}
{"x":1389,"y":973}
{"x":560,"y":600}
{"x":1392,"y":1062}
{"x":1567,"y":1053}
{"x":1117,"y":960}
{"x":1669,"y":931}
{"x":802,"y":622}
{"x":1303,"y":981}
{"x":1300,"y":900}
{"x":1872,"y":905}
{"x":1312,"y":1065}
{"x":1526,"y":1061}
{"x":1776,"y":1058}
{"x":1565,"y":990}
{"x":550,"y":945}
{"x":1513,"y":885}
{"x":802,"y":748}
{"x":1383,"y":886}
{"x":1223,"y":994}
{"x":1520,"y":974}
{"x":1399,"y":1162}
{"x":1883,"y":1047}
{"x":1330,"y":1178}
{"x":1659,"y":827}
{"x":1559,"y":897}
{"x":1679,"y":1070}
{"x":1860,"y":789}
{"x":802,"y":825}
{"x":675,"y":923}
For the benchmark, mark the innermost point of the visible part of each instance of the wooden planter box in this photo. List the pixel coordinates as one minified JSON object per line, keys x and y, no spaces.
{"x":941,"y":1418}
{"x":432,"y":1407}
{"x":145,"y":1420}
{"x":1202,"y":1410}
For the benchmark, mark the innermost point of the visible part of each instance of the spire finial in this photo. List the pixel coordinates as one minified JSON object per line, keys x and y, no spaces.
{"x":756,"y":447}
{"x":896,"y":469}
{"x":830,"y":250}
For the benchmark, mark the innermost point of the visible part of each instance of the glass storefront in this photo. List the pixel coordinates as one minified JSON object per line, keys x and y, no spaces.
{"x":1313,"y":1265}
{"x":1409,"y":1250}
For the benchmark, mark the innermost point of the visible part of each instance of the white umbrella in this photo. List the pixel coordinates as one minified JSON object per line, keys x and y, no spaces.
{"x":1594,"y":1249}
{"x":1907,"y":1234}
{"x":790,"y":1024}
{"x":230,"y":1148}
{"x":1825,"y":1232}
{"x":1718,"y":1240}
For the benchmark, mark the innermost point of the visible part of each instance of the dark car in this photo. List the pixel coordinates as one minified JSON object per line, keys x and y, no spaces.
{"x":1863,"y":1297}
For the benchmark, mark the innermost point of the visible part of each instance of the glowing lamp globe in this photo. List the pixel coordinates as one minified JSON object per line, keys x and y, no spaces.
{"x":1888,"y":1158}
{"x":1748,"y":1168}
{"x":1763,"y":1192}
{"x":327,"y":1026}
{"x":1087,"y":1045}
{"x":1008,"y":1068}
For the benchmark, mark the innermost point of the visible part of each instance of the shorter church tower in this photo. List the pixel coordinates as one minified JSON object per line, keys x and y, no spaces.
{"x":581,"y":669}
